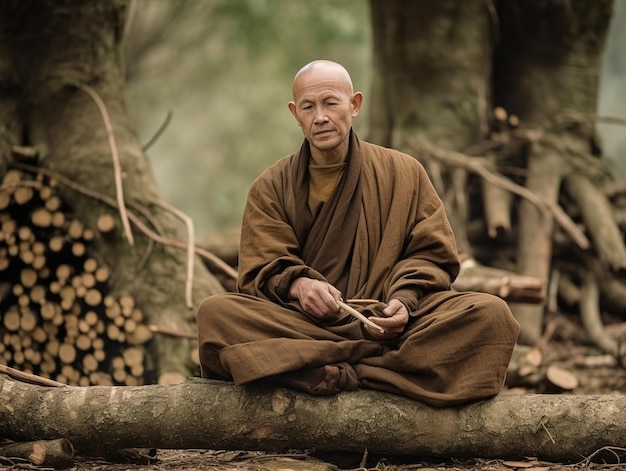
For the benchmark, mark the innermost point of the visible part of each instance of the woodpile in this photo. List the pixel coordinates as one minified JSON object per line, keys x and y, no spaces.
{"x":58,"y":319}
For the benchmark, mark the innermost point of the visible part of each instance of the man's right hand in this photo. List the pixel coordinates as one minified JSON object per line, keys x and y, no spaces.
{"x":317,"y":298}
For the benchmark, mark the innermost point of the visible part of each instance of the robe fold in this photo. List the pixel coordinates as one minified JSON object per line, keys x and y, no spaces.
{"x":383,"y":234}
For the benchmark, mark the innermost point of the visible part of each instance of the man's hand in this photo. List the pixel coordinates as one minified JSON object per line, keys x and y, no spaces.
{"x":317,"y":298}
{"x":394,"y":322}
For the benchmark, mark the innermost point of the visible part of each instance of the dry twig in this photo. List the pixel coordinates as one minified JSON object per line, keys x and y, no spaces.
{"x":114,"y":155}
{"x":29,"y":378}
{"x":477,"y":165}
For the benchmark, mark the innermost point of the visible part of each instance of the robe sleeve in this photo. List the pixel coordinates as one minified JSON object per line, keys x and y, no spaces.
{"x":269,"y":254}
{"x":429,"y":260}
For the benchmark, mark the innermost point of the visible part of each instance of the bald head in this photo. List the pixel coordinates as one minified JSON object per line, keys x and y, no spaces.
{"x":323,"y":70}
{"x":324,"y":105}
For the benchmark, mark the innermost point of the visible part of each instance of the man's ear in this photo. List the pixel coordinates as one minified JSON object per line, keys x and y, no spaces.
{"x":357,"y":101}
{"x":292,"y":108}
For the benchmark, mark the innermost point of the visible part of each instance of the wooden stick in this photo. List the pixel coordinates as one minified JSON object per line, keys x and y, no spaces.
{"x":360,"y":316}
{"x":363,"y":301}
{"x":29,"y":378}
{"x":171,"y":332}
{"x":190,"y":246}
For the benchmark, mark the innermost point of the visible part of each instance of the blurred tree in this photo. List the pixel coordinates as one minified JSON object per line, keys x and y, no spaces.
{"x":459,"y":77}
{"x":61,"y":85}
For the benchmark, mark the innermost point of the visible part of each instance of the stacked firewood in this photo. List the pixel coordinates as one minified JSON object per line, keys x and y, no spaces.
{"x":58,"y":319}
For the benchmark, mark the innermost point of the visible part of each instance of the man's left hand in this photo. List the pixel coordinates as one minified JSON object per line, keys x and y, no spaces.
{"x":394,"y":322}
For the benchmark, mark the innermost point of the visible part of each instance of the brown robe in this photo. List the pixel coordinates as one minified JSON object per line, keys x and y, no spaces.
{"x":383,"y":234}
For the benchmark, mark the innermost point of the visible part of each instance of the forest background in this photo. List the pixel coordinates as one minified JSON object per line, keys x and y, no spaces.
{"x":217,"y":74}
{"x":208,"y":82}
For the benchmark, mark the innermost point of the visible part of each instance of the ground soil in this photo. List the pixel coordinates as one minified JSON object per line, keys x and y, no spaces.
{"x":565,"y":345}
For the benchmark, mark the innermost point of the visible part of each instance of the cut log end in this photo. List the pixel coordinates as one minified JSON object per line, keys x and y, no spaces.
{"x":171,"y":377}
{"x":105,"y":223}
{"x":560,"y":379}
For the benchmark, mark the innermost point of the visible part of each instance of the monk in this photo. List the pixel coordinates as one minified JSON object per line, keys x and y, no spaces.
{"x":343,"y":220}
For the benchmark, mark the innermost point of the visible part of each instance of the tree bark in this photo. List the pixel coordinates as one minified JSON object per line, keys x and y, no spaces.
{"x":547,"y":69}
{"x":549,"y":59}
{"x":217,"y":415}
{"x":431,"y":79}
{"x":68,"y":66}
{"x":534,"y":252}
{"x":12,"y":123}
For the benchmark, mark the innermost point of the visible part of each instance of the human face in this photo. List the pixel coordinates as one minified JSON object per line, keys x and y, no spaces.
{"x":324,"y":107}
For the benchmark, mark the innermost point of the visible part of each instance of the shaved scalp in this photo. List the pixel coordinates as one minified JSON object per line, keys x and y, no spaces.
{"x":327,"y":68}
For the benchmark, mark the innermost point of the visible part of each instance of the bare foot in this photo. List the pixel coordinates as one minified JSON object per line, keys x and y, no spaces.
{"x":320,"y":381}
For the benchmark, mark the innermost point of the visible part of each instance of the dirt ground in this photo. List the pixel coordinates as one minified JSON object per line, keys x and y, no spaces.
{"x":564,"y":345}
{"x":211,"y":460}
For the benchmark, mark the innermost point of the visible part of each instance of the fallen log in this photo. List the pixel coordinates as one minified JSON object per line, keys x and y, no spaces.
{"x":52,"y":453}
{"x":217,"y":415}
{"x":506,"y":284}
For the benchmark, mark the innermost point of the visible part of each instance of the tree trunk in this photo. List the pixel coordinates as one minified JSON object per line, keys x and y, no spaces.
{"x":547,"y":71}
{"x":431,"y":79}
{"x":217,"y":415}
{"x":532,"y":118}
{"x":65,"y":57}
{"x":11,"y":128}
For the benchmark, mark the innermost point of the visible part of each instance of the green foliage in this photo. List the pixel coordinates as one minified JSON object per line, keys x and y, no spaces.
{"x":262,"y":26}
{"x":224,"y":68}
